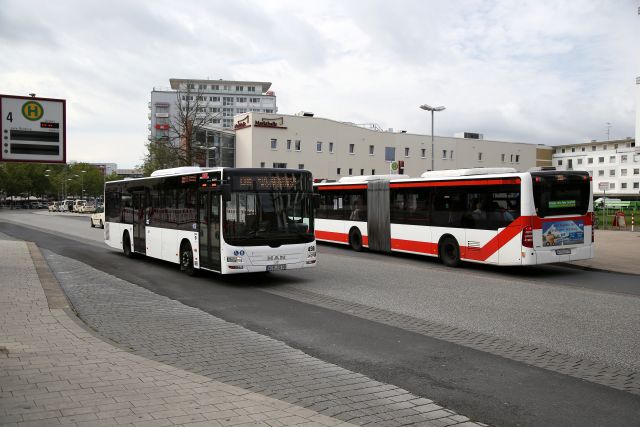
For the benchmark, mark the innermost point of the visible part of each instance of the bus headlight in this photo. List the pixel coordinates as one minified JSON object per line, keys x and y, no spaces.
{"x":234,"y":259}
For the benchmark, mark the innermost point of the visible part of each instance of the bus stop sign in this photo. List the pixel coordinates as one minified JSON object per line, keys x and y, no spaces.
{"x":33,"y":130}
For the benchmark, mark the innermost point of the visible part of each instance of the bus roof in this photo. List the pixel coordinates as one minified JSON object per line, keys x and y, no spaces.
{"x":191,"y":170}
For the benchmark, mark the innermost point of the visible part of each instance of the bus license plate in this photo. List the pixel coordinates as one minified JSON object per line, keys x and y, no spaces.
{"x":276,"y":267}
{"x":563,"y":251}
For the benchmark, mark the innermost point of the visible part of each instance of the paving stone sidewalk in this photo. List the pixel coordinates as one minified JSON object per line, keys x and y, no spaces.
{"x":54,"y":372}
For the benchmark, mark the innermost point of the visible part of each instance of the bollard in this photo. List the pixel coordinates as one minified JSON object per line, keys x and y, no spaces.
{"x":632,"y":220}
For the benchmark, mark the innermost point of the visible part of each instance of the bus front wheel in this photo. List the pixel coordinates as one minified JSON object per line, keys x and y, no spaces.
{"x":355,"y":239}
{"x":186,"y":260}
{"x":449,"y":252}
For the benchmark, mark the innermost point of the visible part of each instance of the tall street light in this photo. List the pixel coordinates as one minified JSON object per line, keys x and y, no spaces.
{"x":433,"y":110}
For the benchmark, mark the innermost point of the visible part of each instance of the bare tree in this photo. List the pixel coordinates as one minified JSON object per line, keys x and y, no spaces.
{"x":182,"y":145}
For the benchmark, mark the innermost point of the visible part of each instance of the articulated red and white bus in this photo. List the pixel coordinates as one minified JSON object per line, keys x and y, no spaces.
{"x":487,"y":215}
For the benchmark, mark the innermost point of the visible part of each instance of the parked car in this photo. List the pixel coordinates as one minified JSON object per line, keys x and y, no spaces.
{"x":87,"y":208}
{"x":97,"y":218}
{"x":77,"y":204}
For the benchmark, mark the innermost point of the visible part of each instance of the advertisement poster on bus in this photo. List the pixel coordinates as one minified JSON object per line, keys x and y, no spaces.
{"x":560,"y":233}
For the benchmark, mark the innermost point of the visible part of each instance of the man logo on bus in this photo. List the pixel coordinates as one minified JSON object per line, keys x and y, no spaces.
{"x":32,"y":110}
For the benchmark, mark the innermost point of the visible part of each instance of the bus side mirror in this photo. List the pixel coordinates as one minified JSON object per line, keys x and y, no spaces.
{"x":316,"y":200}
{"x":226,"y":192}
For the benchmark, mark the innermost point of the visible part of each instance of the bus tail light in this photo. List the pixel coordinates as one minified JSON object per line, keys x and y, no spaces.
{"x":527,"y":237}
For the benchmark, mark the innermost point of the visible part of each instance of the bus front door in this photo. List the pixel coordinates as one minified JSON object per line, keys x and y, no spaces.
{"x":139,"y":222}
{"x":209,"y":217}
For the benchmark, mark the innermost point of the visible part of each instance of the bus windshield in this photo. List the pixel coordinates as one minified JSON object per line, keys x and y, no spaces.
{"x":268,"y":218}
{"x":561,"y":193}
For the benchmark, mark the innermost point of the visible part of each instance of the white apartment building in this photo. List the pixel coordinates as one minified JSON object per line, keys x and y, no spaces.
{"x":615,"y":162}
{"x":332,"y":149}
{"x":223,"y":99}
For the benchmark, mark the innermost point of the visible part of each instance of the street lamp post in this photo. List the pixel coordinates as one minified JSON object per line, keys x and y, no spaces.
{"x":82,"y":184}
{"x":433,"y":110}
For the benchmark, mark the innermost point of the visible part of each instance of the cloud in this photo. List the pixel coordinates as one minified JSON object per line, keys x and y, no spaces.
{"x":532,"y":71}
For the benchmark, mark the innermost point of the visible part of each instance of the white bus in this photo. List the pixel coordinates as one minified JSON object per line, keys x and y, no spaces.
{"x":218,"y":219}
{"x":494,"y":216}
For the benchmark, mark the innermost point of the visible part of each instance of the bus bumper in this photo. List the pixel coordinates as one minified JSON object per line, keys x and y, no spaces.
{"x":550,"y":256}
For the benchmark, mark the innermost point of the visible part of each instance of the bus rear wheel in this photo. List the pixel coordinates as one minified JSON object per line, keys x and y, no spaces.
{"x":449,"y":252}
{"x":126,"y":245}
{"x":355,"y":239}
{"x":186,"y":260}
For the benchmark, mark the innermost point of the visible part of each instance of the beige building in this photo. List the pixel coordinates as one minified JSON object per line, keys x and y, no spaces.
{"x":332,"y":149}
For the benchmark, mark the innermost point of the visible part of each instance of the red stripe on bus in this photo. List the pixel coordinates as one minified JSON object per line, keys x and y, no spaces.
{"x":334,"y":237}
{"x":455,"y":183}
{"x":414,"y":246}
{"x":342,"y":187}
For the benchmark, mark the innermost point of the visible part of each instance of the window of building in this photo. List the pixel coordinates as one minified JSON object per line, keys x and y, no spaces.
{"x":261,"y":164}
{"x":300,"y":165}
{"x":252,"y":89}
{"x":579,"y":161}
{"x":298,"y":145}
{"x":573,"y":150}
{"x":480,"y":156}
{"x":636,"y":185}
{"x":623,"y":158}
{"x":214,"y":98}
{"x":241,"y":99}
{"x":319,"y":147}
{"x":268,"y":110}
{"x":215,"y":87}
{"x":227,"y":111}
{"x":226,"y":123}
{"x":444,"y":154}
{"x":636,"y":171}
{"x":612,"y":186}
{"x":371,"y":150}
{"x":280,"y":165}
{"x":583,"y":149}
{"x":239,"y":88}
{"x":511,"y":158}
{"x":406,"y":151}
{"x":560,"y":162}
{"x":226,"y":87}
{"x":274,"y":144}
{"x":517,"y":158}
{"x":590,"y":160}
{"x":350,"y":171}
{"x":612,"y":159}
{"x":288,"y":144}
{"x":361,"y":171}
{"x":563,"y":150}
{"x":191,"y":86}
{"x":615,"y":146}
{"x":331,"y":147}
{"x":338,"y":171}
{"x":600,"y":159}
{"x":423,"y":153}
{"x":373,"y":171}
{"x":600,"y":173}
{"x":389,"y":154}
{"x":352,"y":148}
{"x":623,"y":185}
{"x":451,"y":154}
{"x":612,"y":172}
{"x":254,"y":100}
{"x":162,"y":108}
{"x":502,"y":157}
{"x":593,"y":148}
{"x":623,"y":172}
{"x":227,"y":100}
{"x":604,"y":147}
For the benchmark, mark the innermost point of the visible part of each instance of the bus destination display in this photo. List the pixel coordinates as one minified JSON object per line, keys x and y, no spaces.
{"x":265,"y":182}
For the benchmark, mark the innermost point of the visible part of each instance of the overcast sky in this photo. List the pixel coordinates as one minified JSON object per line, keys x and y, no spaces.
{"x":534,"y":71}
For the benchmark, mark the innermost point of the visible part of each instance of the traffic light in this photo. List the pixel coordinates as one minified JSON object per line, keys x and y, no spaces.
{"x":400,"y":167}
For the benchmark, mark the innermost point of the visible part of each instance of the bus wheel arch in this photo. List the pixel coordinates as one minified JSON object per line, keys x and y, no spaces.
{"x":126,"y":244}
{"x":449,"y":250}
{"x":355,"y":239}
{"x":186,"y":257}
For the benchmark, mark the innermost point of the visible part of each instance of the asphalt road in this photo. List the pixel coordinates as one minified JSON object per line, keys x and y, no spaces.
{"x":587,"y":314}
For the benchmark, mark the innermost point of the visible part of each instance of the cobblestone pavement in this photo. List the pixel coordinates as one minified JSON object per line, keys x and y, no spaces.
{"x":167,"y":331}
{"x":618,"y":378}
{"x":54,"y":372}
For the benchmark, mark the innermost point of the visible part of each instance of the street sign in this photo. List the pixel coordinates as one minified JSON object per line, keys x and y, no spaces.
{"x":33,"y":129}
{"x":393,"y":168}
{"x":604,"y":186}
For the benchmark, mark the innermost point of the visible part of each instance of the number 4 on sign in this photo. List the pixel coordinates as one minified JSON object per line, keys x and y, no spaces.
{"x":10,"y":117}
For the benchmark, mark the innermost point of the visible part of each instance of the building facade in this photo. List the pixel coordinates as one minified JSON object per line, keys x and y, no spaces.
{"x":222,"y":99}
{"x":331,"y":149}
{"x":616,"y":163}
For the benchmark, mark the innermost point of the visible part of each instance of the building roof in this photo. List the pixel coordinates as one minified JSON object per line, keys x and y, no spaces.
{"x":175,"y":83}
{"x":610,"y":141}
